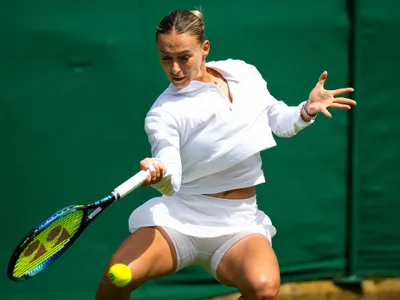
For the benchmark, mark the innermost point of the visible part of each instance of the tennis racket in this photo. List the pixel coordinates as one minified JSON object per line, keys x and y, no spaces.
{"x":43,"y":245}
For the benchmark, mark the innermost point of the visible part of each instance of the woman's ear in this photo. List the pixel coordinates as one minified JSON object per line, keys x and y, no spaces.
{"x":205,"y":49}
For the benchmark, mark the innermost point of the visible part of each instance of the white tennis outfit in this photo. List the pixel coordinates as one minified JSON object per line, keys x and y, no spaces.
{"x":210,"y":145}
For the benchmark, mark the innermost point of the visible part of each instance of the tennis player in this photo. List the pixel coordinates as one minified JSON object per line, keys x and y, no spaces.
{"x":206,"y":132}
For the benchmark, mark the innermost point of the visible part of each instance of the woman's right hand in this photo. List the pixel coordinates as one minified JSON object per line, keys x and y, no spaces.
{"x":156,"y":169}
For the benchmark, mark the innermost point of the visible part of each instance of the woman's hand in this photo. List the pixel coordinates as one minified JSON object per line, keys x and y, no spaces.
{"x":321,"y":99}
{"x":156,"y":169}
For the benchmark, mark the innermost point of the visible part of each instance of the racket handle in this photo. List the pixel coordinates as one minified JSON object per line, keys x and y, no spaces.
{"x":131,"y":184}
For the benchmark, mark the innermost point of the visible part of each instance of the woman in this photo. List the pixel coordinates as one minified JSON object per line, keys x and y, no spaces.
{"x":206,"y":131}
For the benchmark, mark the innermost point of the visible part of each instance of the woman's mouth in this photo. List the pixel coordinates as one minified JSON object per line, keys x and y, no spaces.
{"x":178,"y":79}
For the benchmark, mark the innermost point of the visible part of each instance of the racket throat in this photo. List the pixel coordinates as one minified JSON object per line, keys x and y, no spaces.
{"x":95,"y":213}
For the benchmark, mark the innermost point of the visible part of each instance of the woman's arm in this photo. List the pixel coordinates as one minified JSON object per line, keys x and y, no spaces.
{"x":287,"y":121}
{"x":164,"y":138}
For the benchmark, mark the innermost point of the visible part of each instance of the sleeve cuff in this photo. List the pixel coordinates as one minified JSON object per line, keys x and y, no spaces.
{"x":165,"y":185}
{"x":300,"y":123}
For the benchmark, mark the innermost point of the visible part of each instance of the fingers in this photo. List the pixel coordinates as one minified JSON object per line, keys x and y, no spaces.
{"x":344,"y":101}
{"x":153,"y":171}
{"x":144,"y":165}
{"x":341,"y":106}
{"x":342,"y":91}
{"x":322,"y":78}
{"x":156,"y":169}
{"x":326,"y":113}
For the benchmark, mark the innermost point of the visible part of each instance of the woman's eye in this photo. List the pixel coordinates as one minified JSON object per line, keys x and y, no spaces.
{"x":184,"y":58}
{"x":165,"y":58}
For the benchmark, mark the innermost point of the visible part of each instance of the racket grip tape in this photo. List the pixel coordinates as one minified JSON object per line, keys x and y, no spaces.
{"x":129,"y":185}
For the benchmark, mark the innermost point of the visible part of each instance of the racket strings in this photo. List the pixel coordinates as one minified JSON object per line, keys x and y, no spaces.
{"x":44,"y":247}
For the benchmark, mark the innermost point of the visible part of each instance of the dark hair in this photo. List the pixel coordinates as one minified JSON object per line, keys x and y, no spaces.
{"x":183,"y":21}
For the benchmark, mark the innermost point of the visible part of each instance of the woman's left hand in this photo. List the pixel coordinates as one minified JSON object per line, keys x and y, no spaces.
{"x":321,"y":99}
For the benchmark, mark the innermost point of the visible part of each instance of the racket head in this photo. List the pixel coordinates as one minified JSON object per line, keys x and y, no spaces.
{"x":46,"y":242}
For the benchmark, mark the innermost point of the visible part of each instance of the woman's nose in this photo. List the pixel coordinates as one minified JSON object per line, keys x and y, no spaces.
{"x":175,"y":68}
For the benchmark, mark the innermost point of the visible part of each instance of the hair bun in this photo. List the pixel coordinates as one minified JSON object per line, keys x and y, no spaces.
{"x":198,"y":14}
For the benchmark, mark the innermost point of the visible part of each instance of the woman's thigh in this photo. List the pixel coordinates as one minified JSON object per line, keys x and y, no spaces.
{"x":251,"y":266}
{"x":148,"y":252}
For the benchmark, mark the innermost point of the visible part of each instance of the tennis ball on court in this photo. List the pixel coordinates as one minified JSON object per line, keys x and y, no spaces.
{"x":120,"y":275}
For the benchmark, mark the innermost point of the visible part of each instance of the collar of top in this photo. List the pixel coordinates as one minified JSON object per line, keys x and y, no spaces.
{"x":196,"y":86}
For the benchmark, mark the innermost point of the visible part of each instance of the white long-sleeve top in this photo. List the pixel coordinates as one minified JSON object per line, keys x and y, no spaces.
{"x":209,"y":144}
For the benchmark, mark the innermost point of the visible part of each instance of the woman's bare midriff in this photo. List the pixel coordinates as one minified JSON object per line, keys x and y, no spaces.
{"x":237,"y":194}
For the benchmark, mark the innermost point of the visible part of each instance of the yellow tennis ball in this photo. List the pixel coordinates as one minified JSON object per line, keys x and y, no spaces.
{"x":120,"y":275}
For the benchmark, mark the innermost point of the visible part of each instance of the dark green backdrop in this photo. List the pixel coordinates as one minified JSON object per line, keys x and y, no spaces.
{"x":77,"y":77}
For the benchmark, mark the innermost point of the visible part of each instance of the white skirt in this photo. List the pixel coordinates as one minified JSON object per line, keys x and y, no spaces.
{"x":202,"y":216}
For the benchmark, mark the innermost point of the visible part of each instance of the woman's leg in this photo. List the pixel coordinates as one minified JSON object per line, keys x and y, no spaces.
{"x":149,"y":253}
{"x":251,"y":266}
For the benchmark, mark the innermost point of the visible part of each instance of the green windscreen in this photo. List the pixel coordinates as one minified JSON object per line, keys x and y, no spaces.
{"x":377,"y":153}
{"x":77,"y":78}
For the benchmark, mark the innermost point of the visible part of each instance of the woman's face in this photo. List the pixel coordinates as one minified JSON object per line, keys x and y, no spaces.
{"x":182,"y":57}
